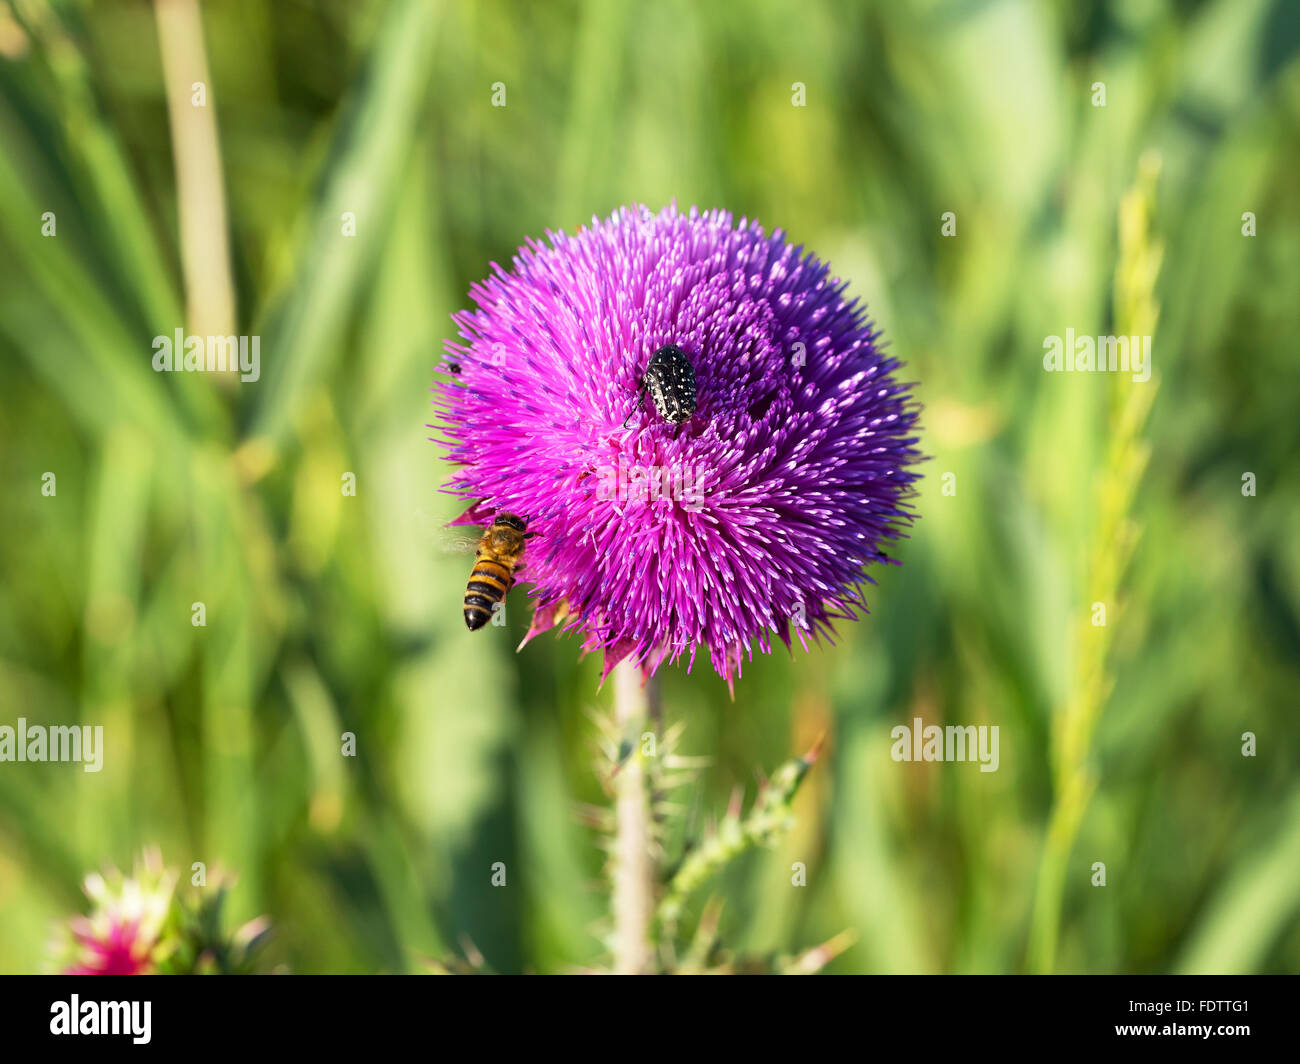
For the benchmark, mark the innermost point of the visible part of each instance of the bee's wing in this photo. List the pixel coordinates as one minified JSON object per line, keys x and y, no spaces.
{"x":461,"y":539}
{"x":456,"y":541}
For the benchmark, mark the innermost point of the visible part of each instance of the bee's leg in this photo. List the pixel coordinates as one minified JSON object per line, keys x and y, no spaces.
{"x":530,"y":535}
{"x":519,"y":568}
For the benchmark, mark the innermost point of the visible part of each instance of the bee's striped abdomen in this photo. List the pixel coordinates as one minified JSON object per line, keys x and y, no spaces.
{"x":488,"y":584}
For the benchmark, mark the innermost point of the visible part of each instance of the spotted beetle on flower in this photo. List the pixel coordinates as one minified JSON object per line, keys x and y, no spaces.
{"x":670,"y":380}
{"x":808,"y":461}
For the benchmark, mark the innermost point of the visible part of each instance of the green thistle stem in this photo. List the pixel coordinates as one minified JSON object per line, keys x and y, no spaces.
{"x":634,"y":872}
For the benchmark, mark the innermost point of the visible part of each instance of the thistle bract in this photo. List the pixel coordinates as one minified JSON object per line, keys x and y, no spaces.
{"x":754,"y":516}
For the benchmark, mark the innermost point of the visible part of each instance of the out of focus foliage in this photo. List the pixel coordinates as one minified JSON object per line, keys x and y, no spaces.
{"x":328,"y":613}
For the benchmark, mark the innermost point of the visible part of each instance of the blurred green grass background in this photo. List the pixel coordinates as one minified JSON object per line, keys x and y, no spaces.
{"x":328,"y":613}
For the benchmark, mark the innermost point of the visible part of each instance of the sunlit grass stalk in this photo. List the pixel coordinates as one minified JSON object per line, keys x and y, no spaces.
{"x":633,"y":864}
{"x":1113,"y":541}
{"x":200,"y":188}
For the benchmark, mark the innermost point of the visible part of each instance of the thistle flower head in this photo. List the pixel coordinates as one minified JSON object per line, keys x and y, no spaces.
{"x":742,"y":504}
{"x":143,"y":924}
{"x":125,"y":931}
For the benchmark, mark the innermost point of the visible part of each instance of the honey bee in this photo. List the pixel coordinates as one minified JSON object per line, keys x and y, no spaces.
{"x":498,"y":558}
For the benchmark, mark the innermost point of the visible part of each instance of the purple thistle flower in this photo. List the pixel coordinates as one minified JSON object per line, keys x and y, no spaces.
{"x":757,"y":513}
